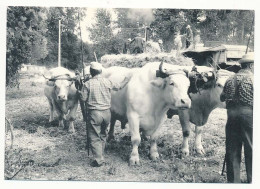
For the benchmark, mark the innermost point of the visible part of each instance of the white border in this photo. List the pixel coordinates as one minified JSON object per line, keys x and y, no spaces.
{"x":188,"y":4}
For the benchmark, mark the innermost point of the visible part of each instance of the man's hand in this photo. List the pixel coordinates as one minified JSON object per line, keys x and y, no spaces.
{"x":78,"y":81}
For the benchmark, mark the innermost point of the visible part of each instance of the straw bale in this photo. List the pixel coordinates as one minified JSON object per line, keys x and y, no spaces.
{"x":139,"y":60}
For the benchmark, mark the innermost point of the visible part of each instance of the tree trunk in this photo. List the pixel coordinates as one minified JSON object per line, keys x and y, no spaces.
{"x":242,"y":33}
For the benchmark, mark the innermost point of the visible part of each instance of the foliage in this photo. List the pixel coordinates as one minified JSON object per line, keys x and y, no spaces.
{"x":25,"y":31}
{"x":101,"y":33}
{"x":32,"y":32}
{"x":166,"y":23}
{"x":226,"y":26}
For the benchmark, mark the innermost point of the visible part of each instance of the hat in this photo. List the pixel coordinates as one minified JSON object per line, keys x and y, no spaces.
{"x":159,"y":41}
{"x":96,"y":66}
{"x":129,"y":39}
{"x":247,"y":58}
{"x":188,"y":26}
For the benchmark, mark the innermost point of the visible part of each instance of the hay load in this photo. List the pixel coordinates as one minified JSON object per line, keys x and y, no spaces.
{"x":139,"y":60}
{"x":152,"y":47}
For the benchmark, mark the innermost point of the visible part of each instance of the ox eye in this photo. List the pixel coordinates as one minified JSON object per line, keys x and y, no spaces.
{"x":219,"y":85}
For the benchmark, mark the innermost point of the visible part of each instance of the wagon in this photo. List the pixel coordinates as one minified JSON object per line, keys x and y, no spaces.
{"x":223,"y":56}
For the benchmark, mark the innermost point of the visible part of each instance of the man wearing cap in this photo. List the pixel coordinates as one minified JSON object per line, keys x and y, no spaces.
{"x":138,"y":44}
{"x":189,"y":36}
{"x":238,"y":94}
{"x":97,"y":94}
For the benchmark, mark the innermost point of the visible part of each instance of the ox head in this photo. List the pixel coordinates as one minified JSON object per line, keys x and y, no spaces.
{"x":205,"y":78}
{"x":174,"y":85}
{"x":222,"y":76}
{"x":61,"y":84}
{"x":211,"y":90}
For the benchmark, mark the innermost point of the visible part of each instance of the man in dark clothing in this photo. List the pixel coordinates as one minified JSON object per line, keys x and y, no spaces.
{"x":189,"y":36}
{"x":97,"y":94}
{"x":238,"y":94}
{"x":126,"y":49}
{"x":138,"y":44}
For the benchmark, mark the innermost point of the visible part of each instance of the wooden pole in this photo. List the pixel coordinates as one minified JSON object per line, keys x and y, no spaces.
{"x":82,"y":51}
{"x":59,"y":48}
{"x":95,"y":56}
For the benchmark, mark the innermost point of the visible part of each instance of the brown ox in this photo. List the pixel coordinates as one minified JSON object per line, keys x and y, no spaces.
{"x":202,"y":104}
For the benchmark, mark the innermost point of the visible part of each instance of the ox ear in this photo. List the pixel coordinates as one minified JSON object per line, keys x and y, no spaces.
{"x":50,"y":83}
{"x":160,"y":83}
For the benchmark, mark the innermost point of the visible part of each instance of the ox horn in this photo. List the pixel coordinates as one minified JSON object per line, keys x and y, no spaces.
{"x":161,"y":72}
{"x":161,"y":68}
{"x":50,"y":79}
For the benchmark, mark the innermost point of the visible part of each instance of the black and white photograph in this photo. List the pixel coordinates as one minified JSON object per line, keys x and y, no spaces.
{"x":144,"y":94}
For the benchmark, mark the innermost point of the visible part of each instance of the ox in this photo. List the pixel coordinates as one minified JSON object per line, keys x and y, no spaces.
{"x":62,"y":96}
{"x":202,"y":105}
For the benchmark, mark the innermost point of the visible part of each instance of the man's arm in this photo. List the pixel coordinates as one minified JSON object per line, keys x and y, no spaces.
{"x":119,"y":86}
{"x":226,"y":90}
{"x":83,"y":93}
{"x":132,"y":41}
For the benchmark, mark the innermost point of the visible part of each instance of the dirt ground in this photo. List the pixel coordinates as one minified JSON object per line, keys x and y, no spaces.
{"x":42,"y":151}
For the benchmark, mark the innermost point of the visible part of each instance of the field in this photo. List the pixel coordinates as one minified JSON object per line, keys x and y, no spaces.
{"x":42,"y":151}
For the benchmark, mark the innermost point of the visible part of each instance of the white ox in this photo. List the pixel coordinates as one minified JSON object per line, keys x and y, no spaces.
{"x":62,"y":96}
{"x":145,"y":100}
{"x":202,"y":105}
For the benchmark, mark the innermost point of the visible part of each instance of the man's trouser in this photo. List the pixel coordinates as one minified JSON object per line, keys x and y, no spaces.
{"x":98,"y":122}
{"x":137,"y":50}
{"x":239,"y":130}
{"x":188,"y":43}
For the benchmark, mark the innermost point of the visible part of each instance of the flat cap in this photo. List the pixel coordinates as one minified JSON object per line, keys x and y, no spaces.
{"x":96,"y":66}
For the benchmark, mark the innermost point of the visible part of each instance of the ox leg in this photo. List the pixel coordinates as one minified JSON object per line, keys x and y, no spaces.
{"x":60,"y":114}
{"x":111,"y":132}
{"x":135,"y":137}
{"x":154,"y":155}
{"x":72,"y":117}
{"x":198,"y":146}
{"x":61,"y":120}
{"x":51,"y":110}
{"x":185,"y":124}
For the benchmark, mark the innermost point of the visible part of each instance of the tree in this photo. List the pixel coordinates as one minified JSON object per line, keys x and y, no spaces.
{"x":70,"y":42}
{"x":166,"y":23}
{"x":25,"y":29}
{"x":101,"y":33}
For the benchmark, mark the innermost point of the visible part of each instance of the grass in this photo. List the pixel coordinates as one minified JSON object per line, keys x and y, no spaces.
{"x":45,"y":152}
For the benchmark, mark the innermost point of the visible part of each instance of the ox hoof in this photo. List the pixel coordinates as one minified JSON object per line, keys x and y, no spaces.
{"x":185,"y":153}
{"x":154,"y":156}
{"x":134,"y":160}
{"x":71,"y":130}
{"x":200,"y":151}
